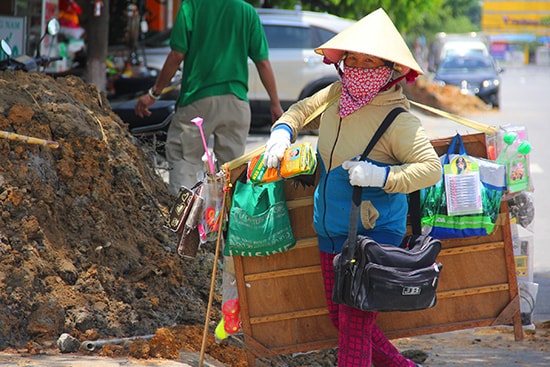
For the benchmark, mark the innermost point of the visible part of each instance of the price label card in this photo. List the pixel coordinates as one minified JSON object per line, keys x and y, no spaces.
{"x":463,"y":186}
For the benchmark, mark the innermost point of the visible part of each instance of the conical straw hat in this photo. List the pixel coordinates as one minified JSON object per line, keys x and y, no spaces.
{"x":376,"y":35}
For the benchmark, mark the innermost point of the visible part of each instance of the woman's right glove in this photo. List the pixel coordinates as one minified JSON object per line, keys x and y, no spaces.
{"x":278,"y":142}
{"x":362,"y":173}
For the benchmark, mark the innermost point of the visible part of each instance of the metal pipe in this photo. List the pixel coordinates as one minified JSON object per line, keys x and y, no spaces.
{"x":91,"y":345}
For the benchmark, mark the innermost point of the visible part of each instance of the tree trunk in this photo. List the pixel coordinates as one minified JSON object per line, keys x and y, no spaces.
{"x":97,"y":37}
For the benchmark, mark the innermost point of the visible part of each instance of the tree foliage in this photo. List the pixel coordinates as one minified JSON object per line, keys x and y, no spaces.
{"x":454,"y":16}
{"x":413,"y":18}
{"x":404,"y":13}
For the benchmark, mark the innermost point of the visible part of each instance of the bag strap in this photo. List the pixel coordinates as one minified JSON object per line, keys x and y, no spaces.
{"x":455,"y":143}
{"x":357,"y":190}
{"x":414,"y":212}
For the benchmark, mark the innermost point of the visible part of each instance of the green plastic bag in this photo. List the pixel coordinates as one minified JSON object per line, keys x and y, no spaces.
{"x":438,"y":222}
{"x":259,"y":224}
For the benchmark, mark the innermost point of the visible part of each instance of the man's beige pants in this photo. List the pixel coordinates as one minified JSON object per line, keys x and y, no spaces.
{"x":226,"y":119}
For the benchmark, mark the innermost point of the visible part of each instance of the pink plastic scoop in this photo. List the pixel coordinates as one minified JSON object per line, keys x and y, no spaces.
{"x":198,"y":121}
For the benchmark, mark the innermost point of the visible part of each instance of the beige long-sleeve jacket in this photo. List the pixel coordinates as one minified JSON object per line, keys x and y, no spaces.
{"x":405,"y":146}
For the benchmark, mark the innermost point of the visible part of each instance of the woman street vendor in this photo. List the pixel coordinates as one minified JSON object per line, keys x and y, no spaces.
{"x":371,"y":58}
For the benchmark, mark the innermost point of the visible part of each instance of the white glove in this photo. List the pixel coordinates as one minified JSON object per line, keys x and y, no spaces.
{"x":363,"y":173}
{"x":278,"y":142}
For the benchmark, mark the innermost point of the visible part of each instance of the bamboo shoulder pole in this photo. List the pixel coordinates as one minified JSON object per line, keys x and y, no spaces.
{"x":29,"y":139}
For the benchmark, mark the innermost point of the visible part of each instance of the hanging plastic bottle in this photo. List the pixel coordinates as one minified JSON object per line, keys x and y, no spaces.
{"x":231,"y":321}
{"x":212,"y":192}
{"x":231,"y":310}
{"x":517,"y":164}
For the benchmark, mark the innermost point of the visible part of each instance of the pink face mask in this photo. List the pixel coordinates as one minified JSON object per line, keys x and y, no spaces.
{"x":360,"y":86}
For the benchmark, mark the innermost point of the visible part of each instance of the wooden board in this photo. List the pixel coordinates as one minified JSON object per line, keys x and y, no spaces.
{"x":283,"y":306}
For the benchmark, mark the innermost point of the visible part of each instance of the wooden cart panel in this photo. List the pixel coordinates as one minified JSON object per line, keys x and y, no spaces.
{"x":282,"y":298}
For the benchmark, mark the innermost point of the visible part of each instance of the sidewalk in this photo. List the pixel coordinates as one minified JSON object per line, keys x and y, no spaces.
{"x":187,"y":359}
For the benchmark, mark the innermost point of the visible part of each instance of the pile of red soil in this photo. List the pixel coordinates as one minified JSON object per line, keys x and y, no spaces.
{"x":83,"y":248}
{"x":447,"y":98}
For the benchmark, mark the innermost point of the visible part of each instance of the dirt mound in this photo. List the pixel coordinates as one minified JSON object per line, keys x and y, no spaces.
{"x":82,"y":244}
{"x":447,"y":98}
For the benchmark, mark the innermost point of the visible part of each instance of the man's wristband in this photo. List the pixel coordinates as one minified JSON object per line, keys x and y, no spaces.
{"x":153,"y":95}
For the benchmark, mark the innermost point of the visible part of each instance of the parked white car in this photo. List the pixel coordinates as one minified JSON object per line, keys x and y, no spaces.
{"x":299,"y":71}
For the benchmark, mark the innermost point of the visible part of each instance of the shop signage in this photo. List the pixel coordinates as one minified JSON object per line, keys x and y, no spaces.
{"x":12,"y":30}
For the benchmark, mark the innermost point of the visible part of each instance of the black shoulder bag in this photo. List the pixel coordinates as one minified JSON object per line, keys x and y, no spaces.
{"x":377,"y":277}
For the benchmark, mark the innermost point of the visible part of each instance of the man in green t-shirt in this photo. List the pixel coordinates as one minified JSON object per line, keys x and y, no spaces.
{"x":215,"y":38}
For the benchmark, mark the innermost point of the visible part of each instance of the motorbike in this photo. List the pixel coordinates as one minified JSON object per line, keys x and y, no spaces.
{"x":28,"y":63}
{"x":150,"y":132}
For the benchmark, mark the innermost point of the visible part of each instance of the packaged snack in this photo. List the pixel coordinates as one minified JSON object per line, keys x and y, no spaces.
{"x":299,"y":159}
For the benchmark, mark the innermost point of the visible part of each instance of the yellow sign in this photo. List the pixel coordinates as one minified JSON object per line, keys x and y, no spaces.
{"x":516,"y":17}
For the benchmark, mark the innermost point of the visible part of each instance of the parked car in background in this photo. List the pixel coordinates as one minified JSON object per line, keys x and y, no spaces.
{"x":299,"y":71}
{"x":474,"y":74}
